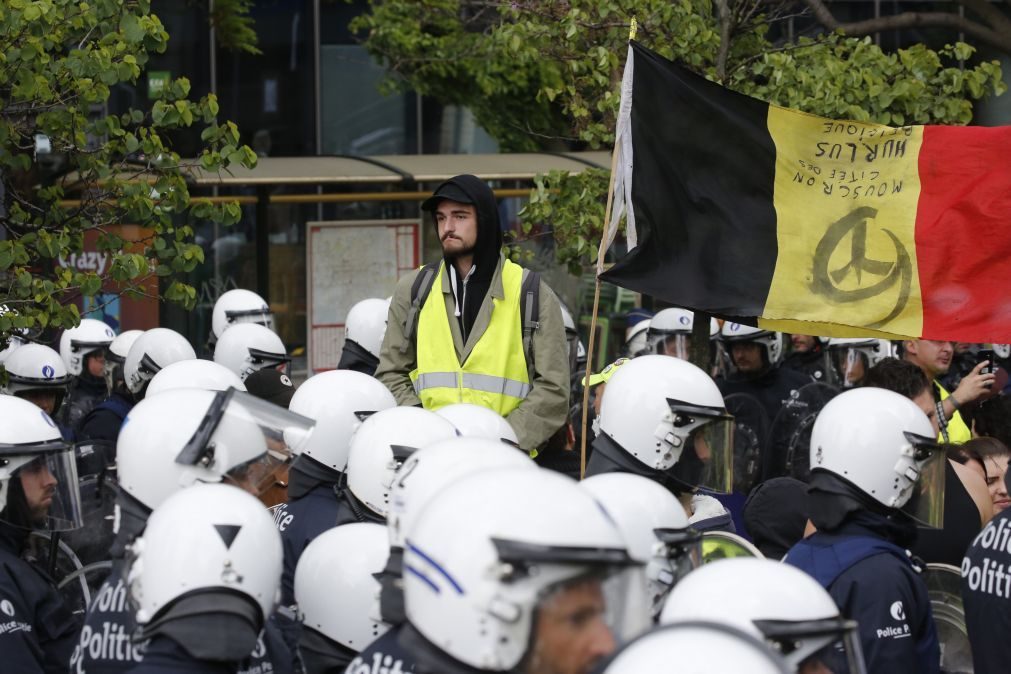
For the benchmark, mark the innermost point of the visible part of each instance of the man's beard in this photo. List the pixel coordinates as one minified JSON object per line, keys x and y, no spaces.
{"x":463,"y":252}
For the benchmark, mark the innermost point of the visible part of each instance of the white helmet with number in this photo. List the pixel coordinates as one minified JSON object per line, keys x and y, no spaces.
{"x":881,"y":444}
{"x":35,"y":367}
{"x":153,"y":350}
{"x":771,"y":341}
{"x":201,"y":374}
{"x":210,"y":537}
{"x":475,"y":421}
{"x":30,"y":442}
{"x":249,"y":347}
{"x":665,"y":412}
{"x":775,"y":602}
{"x":239,"y":306}
{"x":655,"y":526}
{"x":365,"y":324}
{"x":76,"y":343}
{"x":382,"y":444}
{"x":338,"y":400}
{"x":327,"y":571}
{"x":184,"y":436}
{"x":696,"y":648}
{"x":495,"y":547}
{"x":636,"y":342}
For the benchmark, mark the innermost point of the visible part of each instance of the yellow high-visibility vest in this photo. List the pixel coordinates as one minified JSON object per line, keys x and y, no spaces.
{"x":958,"y":432}
{"x":494,"y":375}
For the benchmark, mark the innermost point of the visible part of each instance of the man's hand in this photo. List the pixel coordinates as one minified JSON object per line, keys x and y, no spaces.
{"x":973,"y":386}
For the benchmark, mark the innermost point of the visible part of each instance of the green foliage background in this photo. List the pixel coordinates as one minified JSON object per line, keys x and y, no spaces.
{"x":59,"y":60}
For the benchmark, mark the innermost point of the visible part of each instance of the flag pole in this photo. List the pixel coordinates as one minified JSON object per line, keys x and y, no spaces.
{"x":601,"y":252}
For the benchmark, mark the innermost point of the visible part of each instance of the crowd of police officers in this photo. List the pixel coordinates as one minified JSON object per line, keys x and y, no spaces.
{"x":163,"y":513}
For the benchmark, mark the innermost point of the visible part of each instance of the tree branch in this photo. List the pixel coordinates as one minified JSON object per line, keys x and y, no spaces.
{"x":995,"y":38}
{"x":725,"y":28}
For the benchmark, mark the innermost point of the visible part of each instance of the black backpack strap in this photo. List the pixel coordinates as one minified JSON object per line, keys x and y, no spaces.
{"x":530,"y":311}
{"x":420,"y":289}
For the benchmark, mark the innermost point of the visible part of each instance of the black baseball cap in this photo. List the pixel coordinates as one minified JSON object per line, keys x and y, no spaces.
{"x":447,"y":190}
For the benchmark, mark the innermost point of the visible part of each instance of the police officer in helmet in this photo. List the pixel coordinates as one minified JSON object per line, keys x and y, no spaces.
{"x":875,"y":471}
{"x":38,"y":491}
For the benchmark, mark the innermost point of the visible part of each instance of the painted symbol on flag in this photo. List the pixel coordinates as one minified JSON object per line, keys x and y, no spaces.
{"x":827,"y":282}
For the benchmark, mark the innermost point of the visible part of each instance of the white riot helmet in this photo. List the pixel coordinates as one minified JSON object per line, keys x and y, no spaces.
{"x":150,"y":352}
{"x":495,"y":549}
{"x":436,"y":467}
{"x":382,"y":444}
{"x":668,"y":414}
{"x":771,"y":341}
{"x":205,"y":539}
{"x":775,"y":602}
{"x":697,"y":648}
{"x":428,"y":472}
{"x":338,"y":401}
{"x":635,"y":342}
{"x":184,"y":436}
{"x":77,"y":343}
{"x":35,"y":367}
{"x":202,"y":374}
{"x":670,"y":332}
{"x":365,"y":324}
{"x":475,"y":421}
{"x":853,"y":356}
{"x":326,"y":571}
{"x":655,"y":526}
{"x":239,"y":306}
{"x":249,"y":347}
{"x":119,"y":348}
{"x":879,"y":447}
{"x":115,"y":357}
{"x":30,"y":442}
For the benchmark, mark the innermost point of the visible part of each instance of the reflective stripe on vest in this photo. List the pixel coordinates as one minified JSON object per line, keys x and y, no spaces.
{"x":494,"y":374}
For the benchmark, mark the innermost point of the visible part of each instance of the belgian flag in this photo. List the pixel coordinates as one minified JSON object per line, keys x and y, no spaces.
{"x":751,"y":211}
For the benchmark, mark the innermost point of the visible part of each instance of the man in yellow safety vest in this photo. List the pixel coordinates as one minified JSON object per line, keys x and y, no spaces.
{"x":476,"y":327}
{"x":934,"y":358}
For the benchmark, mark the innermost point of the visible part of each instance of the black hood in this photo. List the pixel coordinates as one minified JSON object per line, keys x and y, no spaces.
{"x":774,"y":515}
{"x":489,"y":238}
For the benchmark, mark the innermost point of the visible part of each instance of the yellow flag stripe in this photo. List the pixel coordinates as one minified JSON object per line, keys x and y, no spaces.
{"x":845,"y":197}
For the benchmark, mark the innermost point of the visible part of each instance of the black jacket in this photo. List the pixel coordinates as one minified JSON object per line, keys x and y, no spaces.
{"x":106,"y":418}
{"x":37,"y":630}
{"x":772,"y":388}
{"x":83,"y":394}
{"x":873,"y":581}
{"x":986,"y":593}
{"x":384,"y":652}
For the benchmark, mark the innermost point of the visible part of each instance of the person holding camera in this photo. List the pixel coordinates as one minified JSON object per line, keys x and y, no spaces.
{"x":934,"y":358}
